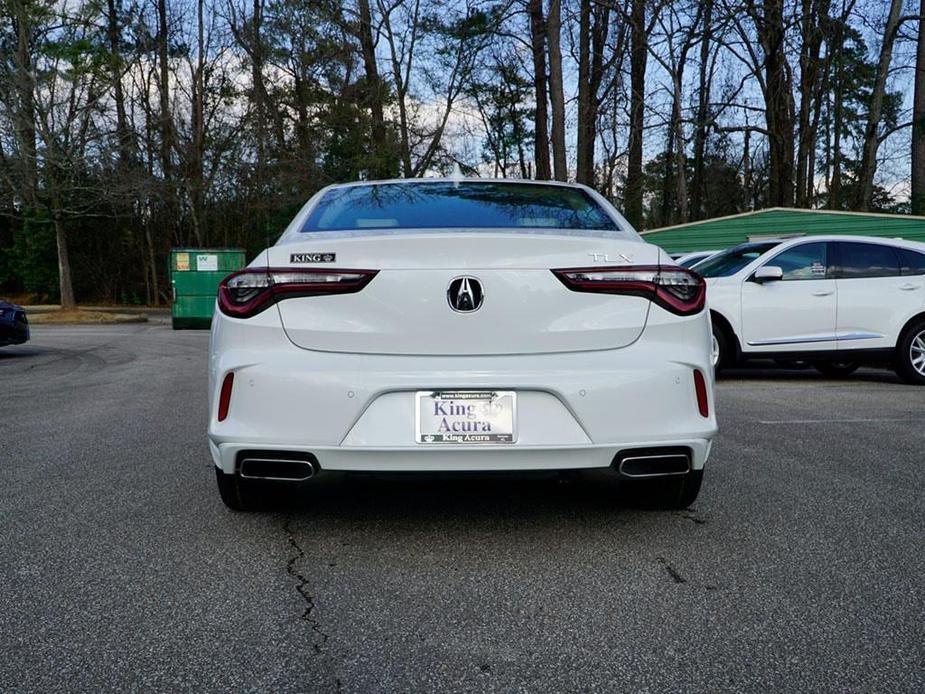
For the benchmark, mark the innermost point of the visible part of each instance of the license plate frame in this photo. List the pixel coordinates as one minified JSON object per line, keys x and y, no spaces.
{"x":502,"y":423}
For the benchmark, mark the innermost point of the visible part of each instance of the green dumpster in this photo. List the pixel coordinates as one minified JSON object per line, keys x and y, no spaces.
{"x":195,"y":274}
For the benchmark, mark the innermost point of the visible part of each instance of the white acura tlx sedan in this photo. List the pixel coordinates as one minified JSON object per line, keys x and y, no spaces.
{"x":465,"y":325}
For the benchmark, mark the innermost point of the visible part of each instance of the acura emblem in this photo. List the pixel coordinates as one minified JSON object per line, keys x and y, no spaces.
{"x":465,"y":294}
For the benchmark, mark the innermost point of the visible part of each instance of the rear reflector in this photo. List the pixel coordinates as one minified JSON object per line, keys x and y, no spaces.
{"x":675,"y":289}
{"x":224,"y":400}
{"x":248,"y":292}
{"x":700,"y":387}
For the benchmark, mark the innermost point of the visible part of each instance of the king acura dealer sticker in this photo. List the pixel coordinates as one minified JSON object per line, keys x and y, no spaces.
{"x":312,"y":257}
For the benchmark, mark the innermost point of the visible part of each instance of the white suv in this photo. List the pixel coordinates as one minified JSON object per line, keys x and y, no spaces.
{"x":835,"y":301}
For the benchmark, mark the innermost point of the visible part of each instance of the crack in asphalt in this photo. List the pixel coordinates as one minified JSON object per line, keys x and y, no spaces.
{"x":302,"y":588}
{"x":678,"y":578}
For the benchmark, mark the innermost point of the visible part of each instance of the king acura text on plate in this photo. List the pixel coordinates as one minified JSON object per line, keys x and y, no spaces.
{"x":465,"y":416}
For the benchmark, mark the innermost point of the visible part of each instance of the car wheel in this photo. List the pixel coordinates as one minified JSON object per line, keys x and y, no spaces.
{"x":235,"y":492}
{"x":910,"y":355}
{"x":669,"y":493}
{"x":836,"y":369}
{"x":722,"y":349}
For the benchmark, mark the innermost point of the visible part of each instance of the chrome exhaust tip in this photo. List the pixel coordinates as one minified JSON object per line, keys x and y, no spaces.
{"x":254,"y":467}
{"x":653,"y":462}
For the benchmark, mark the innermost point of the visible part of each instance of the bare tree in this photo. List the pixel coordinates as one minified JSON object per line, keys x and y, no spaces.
{"x":639,"y":53}
{"x":871,"y":140}
{"x":538,"y":48}
{"x":594,"y":24}
{"x":556,"y":90}
{"x":375,"y":90}
{"x":680,"y":38}
{"x":778,"y":99}
{"x":704,"y":88}
{"x":918,"y":119}
{"x":813,"y":81}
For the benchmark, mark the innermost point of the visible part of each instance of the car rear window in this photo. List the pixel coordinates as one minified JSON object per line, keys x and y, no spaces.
{"x":444,"y":205}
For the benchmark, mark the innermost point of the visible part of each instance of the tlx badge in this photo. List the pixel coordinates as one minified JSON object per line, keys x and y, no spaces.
{"x":312,"y":257}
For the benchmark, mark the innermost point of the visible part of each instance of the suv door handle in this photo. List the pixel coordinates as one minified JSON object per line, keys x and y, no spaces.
{"x":909,"y":287}
{"x":823,"y":292}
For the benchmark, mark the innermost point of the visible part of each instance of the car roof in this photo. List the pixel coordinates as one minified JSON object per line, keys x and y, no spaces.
{"x":821,"y":238}
{"x":456,"y":179}
{"x":890,"y":241}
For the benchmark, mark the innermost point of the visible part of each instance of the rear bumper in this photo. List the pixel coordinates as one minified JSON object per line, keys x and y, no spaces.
{"x":356,"y":412}
{"x":457,"y":459}
{"x":15,"y":334}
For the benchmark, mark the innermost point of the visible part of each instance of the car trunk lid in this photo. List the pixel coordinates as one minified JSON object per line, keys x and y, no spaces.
{"x":406,"y":308}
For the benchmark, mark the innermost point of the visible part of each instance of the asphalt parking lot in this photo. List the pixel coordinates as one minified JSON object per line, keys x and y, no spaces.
{"x":800,"y":567}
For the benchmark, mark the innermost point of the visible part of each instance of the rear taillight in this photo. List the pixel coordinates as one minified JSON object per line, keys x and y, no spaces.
{"x":224,"y":398}
{"x":700,"y":388}
{"x":247,"y":293}
{"x":676,"y":289}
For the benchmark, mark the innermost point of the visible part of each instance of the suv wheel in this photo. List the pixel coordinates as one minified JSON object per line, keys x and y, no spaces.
{"x":910,"y":354}
{"x":723,"y":349}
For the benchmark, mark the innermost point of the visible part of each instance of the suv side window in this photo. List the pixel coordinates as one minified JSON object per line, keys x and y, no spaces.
{"x":807,"y":261}
{"x":857,"y":260}
{"x":913,"y":263}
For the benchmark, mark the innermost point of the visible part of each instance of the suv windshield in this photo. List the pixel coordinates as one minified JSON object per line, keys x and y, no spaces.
{"x":730,"y":262}
{"x":445,"y":205}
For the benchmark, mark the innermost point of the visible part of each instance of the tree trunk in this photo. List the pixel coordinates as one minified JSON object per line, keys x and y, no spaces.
{"x":151,"y":256}
{"x":540,"y":131}
{"x":123,"y":133}
{"x":632,"y":196}
{"x":779,"y":107}
{"x":592,"y":41}
{"x":166,"y":125}
{"x":400,"y":75}
{"x":747,"y":170}
{"x":197,"y":117}
{"x":259,"y":96}
{"x":665,"y":209}
{"x":66,"y":288}
{"x":25,"y":112}
{"x":380,"y":166}
{"x":556,"y":91}
{"x":680,"y":162}
{"x":838,"y":99}
{"x":814,"y":12}
{"x":918,"y":120}
{"x":871,"y":134}
{"x":703,"y":105}
{"x":584,"y":169}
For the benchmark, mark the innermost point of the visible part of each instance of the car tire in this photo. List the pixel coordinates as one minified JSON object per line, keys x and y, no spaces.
{"x":723,"y":351}
{"x":235,"y":492}
{"x":910,"y":354}
{"x":665,"y":493}
{"x":836,"y":369}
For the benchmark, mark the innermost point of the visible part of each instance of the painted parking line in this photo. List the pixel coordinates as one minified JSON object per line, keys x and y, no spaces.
{"x":842,"y":421}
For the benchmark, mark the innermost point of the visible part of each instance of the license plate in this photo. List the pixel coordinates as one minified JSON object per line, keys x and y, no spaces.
{"x":465,"y":416}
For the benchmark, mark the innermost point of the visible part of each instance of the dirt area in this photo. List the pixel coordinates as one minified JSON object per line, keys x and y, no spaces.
{"x":83,"y":316}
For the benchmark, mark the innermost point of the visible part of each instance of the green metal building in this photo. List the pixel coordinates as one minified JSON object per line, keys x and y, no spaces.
{"x":782,"y":222}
